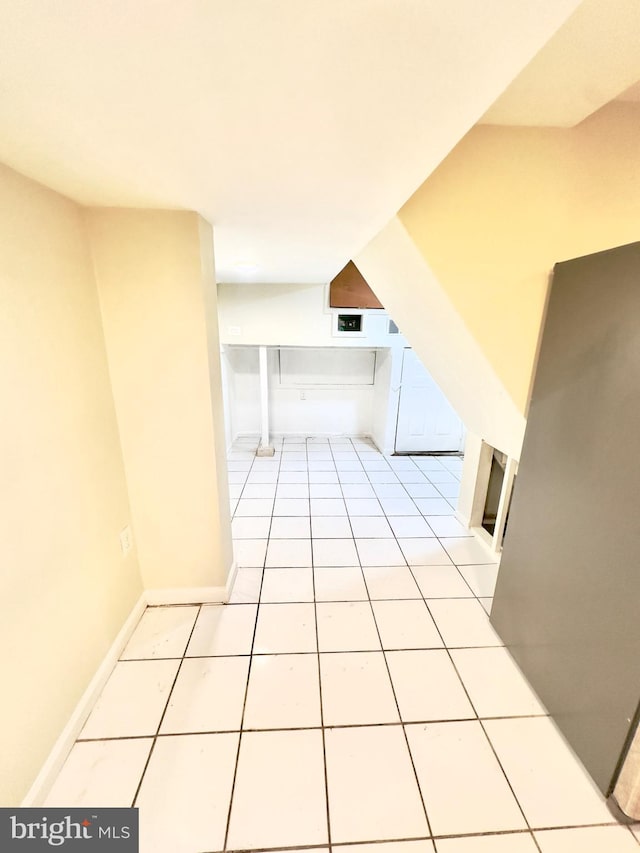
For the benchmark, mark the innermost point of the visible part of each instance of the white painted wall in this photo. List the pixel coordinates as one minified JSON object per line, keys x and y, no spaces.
{"x":335,"y":409}
{"x":227,"y":396}
{"x":296,"y":406}
{"x":243,"y":377}
{"x":295,"y":315}
{"x":292,"y":315}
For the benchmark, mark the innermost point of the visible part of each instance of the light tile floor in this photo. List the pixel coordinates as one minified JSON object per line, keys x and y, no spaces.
{"x":352,"y":693}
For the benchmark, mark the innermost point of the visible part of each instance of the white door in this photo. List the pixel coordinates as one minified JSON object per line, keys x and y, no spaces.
{"x":426,"y":421}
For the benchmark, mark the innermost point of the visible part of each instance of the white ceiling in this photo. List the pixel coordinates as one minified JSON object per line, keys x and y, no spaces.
{"x":297,"y":127}
{"x":592,"y":58}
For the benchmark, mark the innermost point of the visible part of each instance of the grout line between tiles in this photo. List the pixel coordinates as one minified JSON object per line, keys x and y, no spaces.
{"x":477,"y":718}
{"x":455,"y":669}
{"x":495,"y":834}
{"x":315,"y":616}
{"x":321,"y":727}
{"x":329,"y":651}
{"x":493,"y":750}
{"x":166,"y":705}
{"x":479,"y":721}
{"x":425,"y":600}
{"x":246,"y":690}
{"x":393,"y":690}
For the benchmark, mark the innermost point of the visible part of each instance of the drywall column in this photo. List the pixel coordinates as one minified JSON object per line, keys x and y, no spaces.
{"x":225,"y":372}
{"x":158,"y":299}
{"x":265,"y":449}
{"x":386,"y":398}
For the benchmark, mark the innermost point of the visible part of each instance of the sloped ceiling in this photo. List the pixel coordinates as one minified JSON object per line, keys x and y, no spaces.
{"x":297,"y":128}
{"x":591,"y":60}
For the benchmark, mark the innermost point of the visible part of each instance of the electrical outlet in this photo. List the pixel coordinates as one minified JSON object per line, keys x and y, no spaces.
{"x":126,"y":541}
{"x":234,"y":331}
{"x":303,"y":395}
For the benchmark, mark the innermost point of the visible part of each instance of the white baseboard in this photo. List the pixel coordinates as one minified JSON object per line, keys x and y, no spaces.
{"x":481,"y":535}
{"x":62,"y":747}
{"x":192,"y":594}
{"x":185,"y":595}
{"x":231,"y":579}
{"x":485,"y":538}
{"x":462,"y":518}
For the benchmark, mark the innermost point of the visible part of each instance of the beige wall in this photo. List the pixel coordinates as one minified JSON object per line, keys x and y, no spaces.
{"x":291,"y":315}
{"x":155,"y":273}
{"x":508,"y":203}
{"x":65,"y":589}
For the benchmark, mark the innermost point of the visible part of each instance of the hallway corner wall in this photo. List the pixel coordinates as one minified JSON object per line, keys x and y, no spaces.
{"x":156,"y":285}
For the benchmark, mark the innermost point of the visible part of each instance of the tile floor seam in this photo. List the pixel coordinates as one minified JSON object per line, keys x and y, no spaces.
{"x":395,"y":697}
{"x":336,"y":600}
{"x":438,"y":539}
{"x":404,"y":730}
{"x":498,"y":832}
{"x":328,"y":651}
{"x":547,"y":828}
{"x":479,"y":721}
{"x":166,"y":705}
{"x":324,"y":745}
{"x":425,"y":597}
{"x":493,"y":750}
{"x":240,"y":731}
{"x":435,"y":535}
{"x":322,"y":727}
{"x":246,"y":690}
{"x":294,"y":848}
